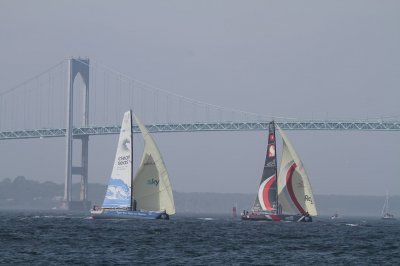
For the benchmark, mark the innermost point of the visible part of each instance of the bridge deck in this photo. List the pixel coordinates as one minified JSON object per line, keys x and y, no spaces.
{"x":197,"y":127}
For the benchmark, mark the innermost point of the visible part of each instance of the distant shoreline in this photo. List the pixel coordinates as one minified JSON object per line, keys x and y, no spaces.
{"x":23,"y":194}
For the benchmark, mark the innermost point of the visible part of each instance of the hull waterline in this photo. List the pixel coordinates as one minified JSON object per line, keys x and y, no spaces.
{"x":126,"y":214}
{"x":276,"y":217}
{"x":388,"y":217}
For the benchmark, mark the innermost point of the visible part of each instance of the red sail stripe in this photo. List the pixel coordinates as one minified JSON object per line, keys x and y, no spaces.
{"x":289,"y":186}
{"x":265,"y":192}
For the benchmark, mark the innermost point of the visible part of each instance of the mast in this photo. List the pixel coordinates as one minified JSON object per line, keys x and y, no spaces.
{"x":276,"y":172}
{"x":131,"y":139}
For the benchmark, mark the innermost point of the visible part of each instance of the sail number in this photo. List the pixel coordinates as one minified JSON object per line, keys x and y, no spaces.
{"x":122,"y":160}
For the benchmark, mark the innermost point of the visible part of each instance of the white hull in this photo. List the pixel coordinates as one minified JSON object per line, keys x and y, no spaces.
{"x":126,"y":214}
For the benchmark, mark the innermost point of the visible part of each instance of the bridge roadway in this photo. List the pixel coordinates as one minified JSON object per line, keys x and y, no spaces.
{"x":198,"y":127}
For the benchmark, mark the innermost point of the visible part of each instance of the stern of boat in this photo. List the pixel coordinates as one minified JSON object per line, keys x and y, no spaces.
{"x":96,"y":213}
{"x":164,"y":216}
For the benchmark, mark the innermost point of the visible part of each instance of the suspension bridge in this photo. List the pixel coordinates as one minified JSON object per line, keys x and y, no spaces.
{"x":58,"y":103}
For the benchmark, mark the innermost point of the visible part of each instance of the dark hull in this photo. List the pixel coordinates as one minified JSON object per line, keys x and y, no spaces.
{"x":125,"y":214}
{"x":276,"y":217}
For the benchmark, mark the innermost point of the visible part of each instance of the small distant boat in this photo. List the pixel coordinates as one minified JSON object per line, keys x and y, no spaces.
{"x":148,"y":195}
{"x":386,"y":215}
{"x":335,"y":216}
{"x":283,"y":197}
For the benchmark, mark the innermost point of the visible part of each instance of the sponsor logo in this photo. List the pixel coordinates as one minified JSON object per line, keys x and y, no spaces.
{"x":153,"y":181}
{"x":270,"y":164}
{"x":117,"y":190}
{"x":271,"y":150}
{"x":123,"y":160}
{"x":271,"y":137}
{"x":308,"y":198}
{"x":126,"y":145}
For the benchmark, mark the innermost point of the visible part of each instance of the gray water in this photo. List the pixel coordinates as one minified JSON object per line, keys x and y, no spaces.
{"x":54,"y":238}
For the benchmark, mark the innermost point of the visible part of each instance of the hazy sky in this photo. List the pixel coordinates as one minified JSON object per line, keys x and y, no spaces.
{"x":303,"y":59}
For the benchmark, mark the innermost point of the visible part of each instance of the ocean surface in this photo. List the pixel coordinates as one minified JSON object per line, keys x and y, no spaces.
{"x":56,"y":238}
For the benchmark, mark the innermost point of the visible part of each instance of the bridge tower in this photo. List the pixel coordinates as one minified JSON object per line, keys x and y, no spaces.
{"x":77,"y":66}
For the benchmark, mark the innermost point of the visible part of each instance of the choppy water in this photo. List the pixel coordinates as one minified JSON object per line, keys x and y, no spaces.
{"x":57,"y":239}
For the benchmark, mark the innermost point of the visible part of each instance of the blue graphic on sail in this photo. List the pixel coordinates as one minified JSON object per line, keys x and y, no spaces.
{"x":118,"y":194}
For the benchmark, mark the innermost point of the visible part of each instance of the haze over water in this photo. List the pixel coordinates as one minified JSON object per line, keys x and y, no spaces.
{"x":295,"y":59}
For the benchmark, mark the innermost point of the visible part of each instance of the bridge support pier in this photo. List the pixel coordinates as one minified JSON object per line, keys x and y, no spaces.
{"x":75,"y":67}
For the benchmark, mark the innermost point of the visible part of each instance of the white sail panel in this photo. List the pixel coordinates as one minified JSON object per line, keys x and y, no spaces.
{"x":151,"y":186}
{"x":294,"y":188}
{"x":145,"y":185}
{"x":118,"y":194}
{"x":285,"y":203}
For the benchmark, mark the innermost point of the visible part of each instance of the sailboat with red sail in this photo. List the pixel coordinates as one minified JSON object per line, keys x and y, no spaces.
{"x":285,"y":195}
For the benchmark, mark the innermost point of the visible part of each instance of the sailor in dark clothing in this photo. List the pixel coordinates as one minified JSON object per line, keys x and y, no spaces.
{"x":134,"y":205}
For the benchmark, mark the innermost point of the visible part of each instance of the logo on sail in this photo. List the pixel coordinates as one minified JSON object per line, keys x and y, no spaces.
{"x":126,"y":145}
{"x":270,"y":164}
{"x":153,"y":181}
{"x":264,"y":193}
{"x":118,"y":194}
{"x":117,"y":189}
{"x":124,"y":160}
{"x":308,"y":198}
{"x":271,"y":150}
{"x":271,"y":137}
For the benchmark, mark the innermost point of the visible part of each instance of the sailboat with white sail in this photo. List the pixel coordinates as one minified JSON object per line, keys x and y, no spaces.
{"x":335,"y":216}
{"x":386,"y":215}
{"x":148,"y":194}
{"x":286,"y":196}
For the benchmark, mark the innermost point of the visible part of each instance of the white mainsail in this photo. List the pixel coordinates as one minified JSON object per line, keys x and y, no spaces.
{"x":385,"y":210}
{"x":118,"y":194}
{"x":294,"y":189}
{"x":152,"y":189}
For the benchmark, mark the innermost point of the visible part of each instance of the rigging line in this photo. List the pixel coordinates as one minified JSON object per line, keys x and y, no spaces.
{"x":189,"y":99}
{"x":105,"y":98}
{"x":93,"y":92}
{"x":132,"y":100}
{"x":24,"y":104}
{"x":48,"y":102}
{"x":155,"y":106}
{"x":37,"y":120}
{"x":32,"y":78}
{"x":218,"y":107}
